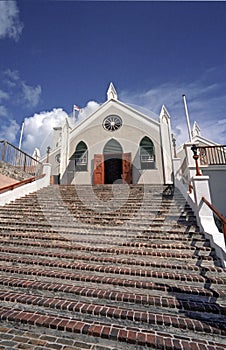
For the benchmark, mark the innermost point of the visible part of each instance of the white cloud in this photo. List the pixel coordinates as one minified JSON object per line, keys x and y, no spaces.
{"x":89,"y":109}
{"x":205,"y":104}
{"x":3,"y":111}
{"x":18,"y":89}
{"x":38,"y":129}
{"x":12,"y":74}
{"x":31,"y":94}
{"x":3,"y":95}
{"x":10,"y":24}
{"x":9,"y":131}
{"x":216,"y":129}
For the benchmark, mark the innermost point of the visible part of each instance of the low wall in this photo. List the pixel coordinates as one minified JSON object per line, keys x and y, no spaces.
{"x":23,"y":190}
{"x":203,"y":214}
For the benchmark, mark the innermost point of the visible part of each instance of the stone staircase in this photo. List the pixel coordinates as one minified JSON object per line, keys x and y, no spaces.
{"x":108,"y":267}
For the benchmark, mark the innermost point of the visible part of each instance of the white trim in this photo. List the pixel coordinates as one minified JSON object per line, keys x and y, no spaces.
{"x":79,"y":127}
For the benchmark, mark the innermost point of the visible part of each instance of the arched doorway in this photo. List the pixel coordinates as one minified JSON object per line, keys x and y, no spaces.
{"x":113,"y":165}
{"x":112,"y":162}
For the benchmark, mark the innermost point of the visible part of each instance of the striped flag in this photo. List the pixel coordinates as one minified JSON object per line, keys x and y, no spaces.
{"x":76,"y":108}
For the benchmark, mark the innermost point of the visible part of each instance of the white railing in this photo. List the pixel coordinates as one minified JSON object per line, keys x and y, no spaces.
{"x":193,"y":190}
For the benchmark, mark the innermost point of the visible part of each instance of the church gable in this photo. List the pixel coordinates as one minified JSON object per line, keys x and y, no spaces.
{"x":118,"y":143}
{"x":115,"y":108}
{"x":114,"y":119}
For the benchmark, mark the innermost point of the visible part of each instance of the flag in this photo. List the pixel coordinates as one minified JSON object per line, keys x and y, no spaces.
{"x":76,"y":108}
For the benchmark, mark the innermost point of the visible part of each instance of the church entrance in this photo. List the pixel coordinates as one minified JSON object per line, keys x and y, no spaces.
{"x":113,"y":168}
{"x":113,"y":165}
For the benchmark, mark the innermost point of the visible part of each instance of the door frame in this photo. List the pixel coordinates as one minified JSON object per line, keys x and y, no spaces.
{"x":99,"y":168}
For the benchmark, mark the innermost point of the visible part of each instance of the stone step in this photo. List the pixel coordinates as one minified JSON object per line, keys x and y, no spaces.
{"x":128,"y":273}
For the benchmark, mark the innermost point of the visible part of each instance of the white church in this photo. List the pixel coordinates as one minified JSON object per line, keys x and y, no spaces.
{"x":115,"y":144}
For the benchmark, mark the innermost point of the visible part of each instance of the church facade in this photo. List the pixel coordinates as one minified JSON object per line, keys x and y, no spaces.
{"x":115,"y":144}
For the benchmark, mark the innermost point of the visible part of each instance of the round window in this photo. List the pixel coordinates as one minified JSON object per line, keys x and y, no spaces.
{"x":112,"y":123}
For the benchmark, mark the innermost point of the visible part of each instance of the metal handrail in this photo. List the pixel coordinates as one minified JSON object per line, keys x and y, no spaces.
{"x":219,"y":215}
{"x":11,"y":154}
{"x":21,"y":183}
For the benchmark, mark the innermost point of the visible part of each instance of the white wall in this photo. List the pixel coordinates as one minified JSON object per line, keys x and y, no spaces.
{"x":217,"y":183}
{"x":133,"y":129}
{"x":23,"y":190}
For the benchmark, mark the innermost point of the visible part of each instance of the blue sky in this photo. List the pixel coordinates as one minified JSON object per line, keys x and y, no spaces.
{"x":57,"y":53}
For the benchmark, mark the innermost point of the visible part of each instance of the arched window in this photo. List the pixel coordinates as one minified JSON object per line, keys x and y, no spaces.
{"x":81,"y":156}
{"x":113,"y":147}
{"x":147,"y":153}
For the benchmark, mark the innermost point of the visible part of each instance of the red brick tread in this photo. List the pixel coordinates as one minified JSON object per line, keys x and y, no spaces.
{"x":68,"y":245}
{"x":114,"y":270}
{"x":116,"y":312}
{"x":152,"y":283}
{"x":109,"y":241}
{"x":133,"y":335}
{"x":155,"y":264}
{"x":135,"y":298}
{"x":113,"y":281}
{"x":34,"y":339}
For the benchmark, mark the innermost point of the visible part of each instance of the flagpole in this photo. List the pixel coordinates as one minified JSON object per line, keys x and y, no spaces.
{"x":187,"y":118}
{"x":21,"y":134}
{"x":78,"y":109}
{"x":73,"y":112}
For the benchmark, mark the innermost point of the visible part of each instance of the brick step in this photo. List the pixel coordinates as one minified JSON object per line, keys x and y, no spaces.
{"x":131,"y":335}
{"x":180,"y":231}
{"x":160,"y":243}
{"x":104,"y":270}
{"x":127,"y":225}
{"x":76,"y":203}
{"x":41,"y":199}
{"x":99,"y":216}
{"x":84,"y":228}
{"x":115,"y":270}
{"x":123,"y":252}
{"x":177,"y":302}
{"x":133,"y":283}
{"x":77,"y":309}
{"x":154,"y":237}
{"x":113,"y":219}
{"x":117,"y":261}
{"x":141,"y":256}
{"x":31,"y":338}
{"x":146,"y":207}
{"x":73,"y":224}
{"x":154,"y":209}
{"x":171,"y":236}
{"x":50,"y":199}
{"x":139,"y":211}
{"x":123,"y":241}
{"x":60,"y":249}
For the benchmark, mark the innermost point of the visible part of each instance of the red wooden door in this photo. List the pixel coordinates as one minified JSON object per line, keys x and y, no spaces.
{"x":98,"y":175}
{"x":127,"y":167}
